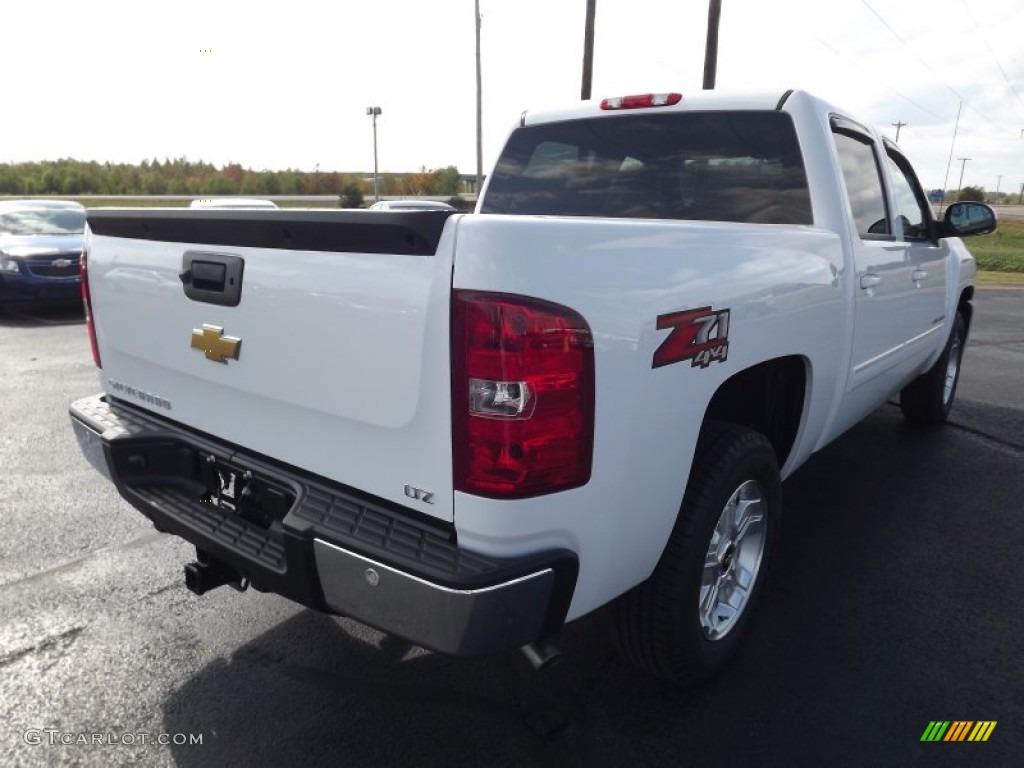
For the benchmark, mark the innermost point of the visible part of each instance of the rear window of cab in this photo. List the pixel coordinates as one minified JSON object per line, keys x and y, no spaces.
{"x":737,"y":166}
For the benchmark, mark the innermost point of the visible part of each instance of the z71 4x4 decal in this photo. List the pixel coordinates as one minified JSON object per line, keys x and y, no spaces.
{"x":699,"y":335}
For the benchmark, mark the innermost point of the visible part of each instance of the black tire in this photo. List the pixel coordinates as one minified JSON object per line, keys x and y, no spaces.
{"x":926,"y":400}
{"x":658,"y":625}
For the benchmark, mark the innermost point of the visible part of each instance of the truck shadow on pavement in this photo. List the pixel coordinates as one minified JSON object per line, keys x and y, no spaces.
{"x":889,"y":606}
{"x":42,"y":314}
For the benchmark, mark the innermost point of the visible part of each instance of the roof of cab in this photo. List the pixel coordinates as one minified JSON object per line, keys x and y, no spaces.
{"x":695,"y":101}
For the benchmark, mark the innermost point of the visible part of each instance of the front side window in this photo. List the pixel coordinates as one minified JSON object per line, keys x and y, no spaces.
{"x":714,"y":166}
{"x":863,"y":185}
{"x":911,"y":207}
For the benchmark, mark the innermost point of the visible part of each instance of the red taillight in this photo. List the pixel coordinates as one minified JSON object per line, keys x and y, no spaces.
{"x":83,"y":269}
{"x":640,"y":101}
{"x":522,"y":396}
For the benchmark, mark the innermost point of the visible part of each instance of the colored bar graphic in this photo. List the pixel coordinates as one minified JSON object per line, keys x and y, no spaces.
{"x":958,"y":730}
{"x":935,"y":730}
{"x":982,"y":730}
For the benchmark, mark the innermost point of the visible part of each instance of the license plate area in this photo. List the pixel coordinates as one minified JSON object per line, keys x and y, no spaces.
{"x":204,"y":477}
{"x":239,"y":490}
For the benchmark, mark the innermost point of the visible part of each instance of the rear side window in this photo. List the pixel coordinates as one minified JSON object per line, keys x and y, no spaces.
{"x":713,"y":166}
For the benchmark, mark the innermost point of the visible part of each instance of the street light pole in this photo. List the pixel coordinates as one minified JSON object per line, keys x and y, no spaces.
{"x":479,"y":106}
{"x":373,"y":112}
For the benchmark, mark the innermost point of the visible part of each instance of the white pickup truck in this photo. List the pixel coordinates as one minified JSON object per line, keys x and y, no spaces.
{"x":468,"y":430}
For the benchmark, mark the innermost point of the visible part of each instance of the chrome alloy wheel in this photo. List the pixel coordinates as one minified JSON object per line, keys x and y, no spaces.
{"x":952,"y":367}
{"x":732,"y":561}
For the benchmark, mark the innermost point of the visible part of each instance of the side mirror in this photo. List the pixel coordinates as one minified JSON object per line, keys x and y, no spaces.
{"x":964,"y":219}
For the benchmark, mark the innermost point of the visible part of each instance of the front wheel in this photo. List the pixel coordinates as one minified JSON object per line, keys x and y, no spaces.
{"x":928,"y":398}
{"x":686,"y":621}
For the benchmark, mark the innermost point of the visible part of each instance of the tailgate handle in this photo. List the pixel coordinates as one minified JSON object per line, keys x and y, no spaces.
{"x":212,"y":278}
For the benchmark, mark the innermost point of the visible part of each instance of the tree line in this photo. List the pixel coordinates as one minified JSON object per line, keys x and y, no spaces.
{"x":185,"y":177}
{"x":980,"y":195}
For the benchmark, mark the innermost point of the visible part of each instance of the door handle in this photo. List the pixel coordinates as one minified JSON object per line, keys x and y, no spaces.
{"x":212,"y":278}
{"x":918,"y":275}
{"x":869,"y":280}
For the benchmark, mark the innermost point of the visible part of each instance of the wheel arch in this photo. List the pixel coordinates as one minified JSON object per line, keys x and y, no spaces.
{"x":965,"y":307}
{"x":769,"y":398}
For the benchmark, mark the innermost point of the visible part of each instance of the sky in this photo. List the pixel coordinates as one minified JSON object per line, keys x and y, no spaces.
{"x":286,"y":85}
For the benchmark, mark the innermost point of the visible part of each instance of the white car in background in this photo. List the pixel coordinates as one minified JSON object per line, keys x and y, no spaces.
{"x":232,"y":202}
{"x":411,"y":205}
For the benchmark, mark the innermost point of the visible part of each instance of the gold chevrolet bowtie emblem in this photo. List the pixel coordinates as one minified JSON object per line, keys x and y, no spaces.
{"x":215,"y":344}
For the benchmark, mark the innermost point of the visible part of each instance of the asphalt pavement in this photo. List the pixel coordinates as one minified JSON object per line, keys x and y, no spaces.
{"x":897,"y":599}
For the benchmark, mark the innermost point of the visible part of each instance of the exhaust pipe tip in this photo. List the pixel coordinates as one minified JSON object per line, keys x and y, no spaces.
{"x":541,"y":655}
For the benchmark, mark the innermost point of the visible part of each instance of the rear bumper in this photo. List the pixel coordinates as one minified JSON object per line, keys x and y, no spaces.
{"x":325,"y":545}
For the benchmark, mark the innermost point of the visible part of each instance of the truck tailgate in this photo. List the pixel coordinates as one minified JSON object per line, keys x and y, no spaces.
{"x":340,"y":332}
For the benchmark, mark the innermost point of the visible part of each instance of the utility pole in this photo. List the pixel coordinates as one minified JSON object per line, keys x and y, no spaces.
{"x":711,"y":47}
{"x":949,"y":164}
{"x":999,"y":181}
{"x":1020,"y":197}
{"x":479,"y":107}
{"x":899,"y":124}
{"x":963,"y":164}
{"x":588,"y":50}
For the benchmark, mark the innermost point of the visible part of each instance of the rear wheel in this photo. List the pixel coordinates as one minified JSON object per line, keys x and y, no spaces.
{"x":928,"y":399}
{"x":686,"y":621}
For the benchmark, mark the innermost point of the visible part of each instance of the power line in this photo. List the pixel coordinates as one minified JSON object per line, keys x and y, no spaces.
{"x":886,"y":85}
{"x":995,"y":58}
{"x":905,"y":45}
{"x":927,"y":66}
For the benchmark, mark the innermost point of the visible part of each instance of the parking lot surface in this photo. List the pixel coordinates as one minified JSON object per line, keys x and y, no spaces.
{"x":897,"y":599}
